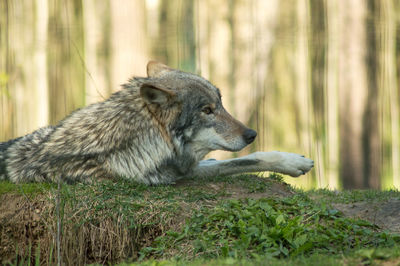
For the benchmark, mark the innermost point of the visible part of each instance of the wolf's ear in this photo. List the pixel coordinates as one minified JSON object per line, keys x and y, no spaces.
{"x":156,"y":69}
{"x":154,"y":94}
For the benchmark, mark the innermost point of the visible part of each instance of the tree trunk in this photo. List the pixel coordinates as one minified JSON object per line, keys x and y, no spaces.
{"x":332,"y":95}
{"x":318,"y":49}
{"x":371,"y":128}
{"x":129,"y":47}
{"x":352,"y":91}
{"x":65,"y":58}
{"x":97,"y":27}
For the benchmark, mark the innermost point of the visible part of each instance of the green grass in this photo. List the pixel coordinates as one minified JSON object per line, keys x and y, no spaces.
{"x":384,"y":255}
{"x":218,"y":221}
{"x":273,"y":227}
{"x":374,"y":256}
{"x":352,"y":196}
{"x":25,"y":188}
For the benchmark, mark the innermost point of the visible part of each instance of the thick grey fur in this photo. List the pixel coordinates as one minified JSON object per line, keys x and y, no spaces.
{"x":154,"y":131}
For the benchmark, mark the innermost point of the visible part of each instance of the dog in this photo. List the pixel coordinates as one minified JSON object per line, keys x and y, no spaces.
{"x":156,"y":130}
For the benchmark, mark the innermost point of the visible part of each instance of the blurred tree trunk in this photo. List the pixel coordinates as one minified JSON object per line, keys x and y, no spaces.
{"x":187,"y":33}
{"x":317,"y":42}
{"x":318,"y":47}
{"x":282,"y":103}
{"x":263,"y":21}
{"x":97,"y":35}
{"x":42,"y":99}
{"x":332,"y":94}
{"x":7,"y":120}
{"x":65,"y":58}
{"x":166,"y":45}
{"x":352,"y":91}
{"x":302,"y":79}
{"x":175,"y":44}
{"x":395,"y":8}
{"x":23,"y":72}
{"x":371,"y":119}
{"x":21,"y":44}
{"x":390,"y":72}
{"x":203,"y":33}
{"x":161,"y":46}
{"x":129,"y":46}
{"x":302,"y":92}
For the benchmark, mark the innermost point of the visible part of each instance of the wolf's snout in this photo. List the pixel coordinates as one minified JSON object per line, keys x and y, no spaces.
{"x":249,"y":135}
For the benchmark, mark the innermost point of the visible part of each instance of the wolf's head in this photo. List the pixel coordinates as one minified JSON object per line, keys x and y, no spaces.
{"x":199,"y":118}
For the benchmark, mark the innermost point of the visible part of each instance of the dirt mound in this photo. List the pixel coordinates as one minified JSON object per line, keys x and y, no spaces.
{"x":110,"y":222}
{"x":106,"y":222}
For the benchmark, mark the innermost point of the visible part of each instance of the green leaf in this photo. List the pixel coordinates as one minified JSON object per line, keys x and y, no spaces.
{"x":366,"y":253}
{"x":280,"y":219}
{"x":225,"y":251}
{"x":381,"y":254}
{"x":299,"y":241}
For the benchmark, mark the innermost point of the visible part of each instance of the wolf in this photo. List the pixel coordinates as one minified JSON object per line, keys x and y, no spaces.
{"x":156,"y":130}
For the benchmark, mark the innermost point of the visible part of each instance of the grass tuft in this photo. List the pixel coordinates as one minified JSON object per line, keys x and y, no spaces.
{"x":7,"y":187}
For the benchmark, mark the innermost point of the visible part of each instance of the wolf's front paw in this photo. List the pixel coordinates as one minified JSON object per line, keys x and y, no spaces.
{"x":283,"y":162}
{"x":294,"y":164}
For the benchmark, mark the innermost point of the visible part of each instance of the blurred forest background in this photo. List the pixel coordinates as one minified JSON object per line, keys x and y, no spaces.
{"x":316,"y":77}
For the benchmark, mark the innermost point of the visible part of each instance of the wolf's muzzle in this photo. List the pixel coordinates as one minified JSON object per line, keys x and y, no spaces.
{"x":249,"y":135}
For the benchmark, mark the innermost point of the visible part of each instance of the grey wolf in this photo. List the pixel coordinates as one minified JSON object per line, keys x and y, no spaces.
{"x":156,"y":130}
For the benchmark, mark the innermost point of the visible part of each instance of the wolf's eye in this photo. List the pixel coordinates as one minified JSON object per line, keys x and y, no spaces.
{"x":207,"y":110}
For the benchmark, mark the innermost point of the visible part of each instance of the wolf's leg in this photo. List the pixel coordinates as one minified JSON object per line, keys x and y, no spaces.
{"x":280,"y":162}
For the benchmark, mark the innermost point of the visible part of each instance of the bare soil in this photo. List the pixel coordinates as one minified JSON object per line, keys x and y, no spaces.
{"x":386,"y":214}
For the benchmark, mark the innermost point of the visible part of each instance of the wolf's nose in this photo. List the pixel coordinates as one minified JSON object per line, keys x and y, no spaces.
{"x":249,"y":135}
